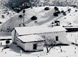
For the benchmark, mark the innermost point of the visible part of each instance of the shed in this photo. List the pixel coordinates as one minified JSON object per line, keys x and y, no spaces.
{"x":30,"y":42}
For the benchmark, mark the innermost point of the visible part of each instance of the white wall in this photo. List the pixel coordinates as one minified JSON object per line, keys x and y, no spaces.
{"x":61,"y":35}
{"x":29,"y":46}
{"x":12,"y":34}
{"x":52,"y":36}
{"x":19,"y":43}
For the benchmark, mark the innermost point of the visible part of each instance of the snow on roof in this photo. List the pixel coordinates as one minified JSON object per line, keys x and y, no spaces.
{"x":5,"y":37}
{"x":30,"y":38}
{"x":38,"y":29}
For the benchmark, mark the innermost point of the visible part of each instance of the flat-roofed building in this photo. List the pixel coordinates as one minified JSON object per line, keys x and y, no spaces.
{"x":30,"y":42}
{"x":56,"y":33}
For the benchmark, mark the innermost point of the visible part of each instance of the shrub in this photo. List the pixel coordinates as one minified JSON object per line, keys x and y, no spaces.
{"x":3,"y":16}
{"x":52,"y":23}
{"x":7,"y":13}
{"x":69,"y":10}
{"x":46,"y":8}
{"x":64,"y":13}
{"x":56,"y":8}
{"x":23,"y":11}
{"x":75,"y":10}
{"x":33,"y":18}
{"x":20,"y":16}
{"x":74,"y":6}
{"x":55,"y":14}
{"x":58,"y":12}
{"x":57,"y":23}
{"x":35,"y":21}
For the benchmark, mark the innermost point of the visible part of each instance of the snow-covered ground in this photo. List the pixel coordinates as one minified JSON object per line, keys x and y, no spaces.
{"x":5,"y":13}
{"x":42,"y":17}
{"x":73,"y":37}
{"x":45,"y":18}
{"x":70,"y":51}
{"x":71,"y":18}
{"x":65,"y":20}
{"x":67,"y":51}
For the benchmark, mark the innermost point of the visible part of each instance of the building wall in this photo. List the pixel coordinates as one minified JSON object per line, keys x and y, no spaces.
{"x":19,"y":43}
{"x":29,"y":46}
{"x":52,"y":37}
{"x":14,"y":35}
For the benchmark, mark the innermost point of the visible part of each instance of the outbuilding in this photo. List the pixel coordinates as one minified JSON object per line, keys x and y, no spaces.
{"x":30,"y":42}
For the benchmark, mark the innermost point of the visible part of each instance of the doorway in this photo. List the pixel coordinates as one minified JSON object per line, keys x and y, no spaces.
{"x":57,"y":38}
{"x":34,"y":46}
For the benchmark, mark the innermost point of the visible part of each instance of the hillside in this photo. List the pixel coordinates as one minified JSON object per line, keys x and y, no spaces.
{"x":42,"y":17}
{"x":71,"y":19}
{"x":65,"y":20}
{"x":5,"y":13}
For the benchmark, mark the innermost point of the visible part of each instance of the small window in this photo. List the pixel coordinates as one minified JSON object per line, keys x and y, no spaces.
{"x":57,"y":38}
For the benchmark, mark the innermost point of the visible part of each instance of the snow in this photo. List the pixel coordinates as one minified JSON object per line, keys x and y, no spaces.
{"x":5,"y":11}
{"x":43,"y":16}
{"x":61,"y":18}
{"x":70,"y":18}
{"x":67,"y":51}
{"x":30,"y":38}
{"x":38,"y":29}
{"x":54,"y":52}
{"x":73,"y":37}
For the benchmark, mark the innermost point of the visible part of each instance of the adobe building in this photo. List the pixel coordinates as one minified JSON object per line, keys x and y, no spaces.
{"x":30,"y":42}
{"x":56,"y":33}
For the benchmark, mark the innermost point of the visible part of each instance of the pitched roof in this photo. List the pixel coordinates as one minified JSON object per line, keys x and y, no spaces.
{"x":30,"y":38}
{"x":38,"y":29}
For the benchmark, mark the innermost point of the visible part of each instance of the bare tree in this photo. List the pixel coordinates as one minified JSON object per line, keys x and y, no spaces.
{"x":50,"y":45}
{"x":22,"y":17}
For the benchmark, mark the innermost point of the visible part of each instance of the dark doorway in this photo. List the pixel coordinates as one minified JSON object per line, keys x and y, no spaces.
{"x":34,"y":46}
{"x":57,"y":38}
